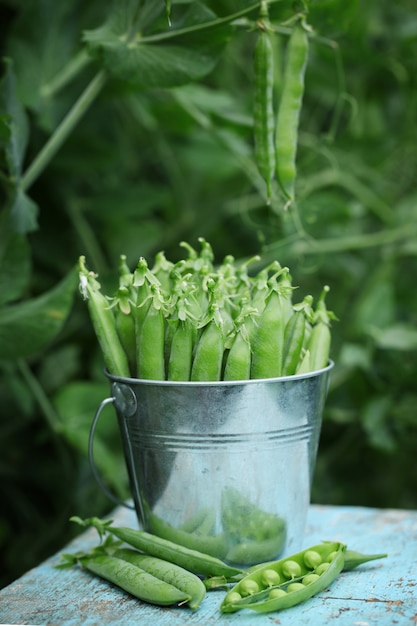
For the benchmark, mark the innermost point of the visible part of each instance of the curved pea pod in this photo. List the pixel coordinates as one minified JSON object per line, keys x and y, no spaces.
{"x":135,"y":580}
{"x":174,"y":575}
{"x":281,"y":584}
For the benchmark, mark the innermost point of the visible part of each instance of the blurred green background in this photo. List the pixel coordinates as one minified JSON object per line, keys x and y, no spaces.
{"x":157,"y":148}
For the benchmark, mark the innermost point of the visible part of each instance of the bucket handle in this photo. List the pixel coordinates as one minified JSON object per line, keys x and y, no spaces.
{"x":92,"y":462}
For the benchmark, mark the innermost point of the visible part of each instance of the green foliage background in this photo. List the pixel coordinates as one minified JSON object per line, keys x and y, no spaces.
{"x":157,"y":148}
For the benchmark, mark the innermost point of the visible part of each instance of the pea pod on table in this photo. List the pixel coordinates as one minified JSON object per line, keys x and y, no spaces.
{"x":139,"y":583}
{"x":289,"y":581}
{"x":192,"y":560}
{"x":187,"y":582}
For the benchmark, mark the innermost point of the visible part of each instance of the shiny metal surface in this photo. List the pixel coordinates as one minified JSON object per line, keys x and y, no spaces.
{"x":223,"y":467}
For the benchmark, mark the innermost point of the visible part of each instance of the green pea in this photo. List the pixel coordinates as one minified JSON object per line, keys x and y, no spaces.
{"x":276,"y":593}
{"x":233,"y":597}
{"x":323,"y":567}
{"x":331,"y":556}
{"x":270,"y":577}
{"x":248,"y":587}
{"x":310,"y":578}
{"x":291,"y":569}
{"x":312,"y":558}
{"x":295,"y":587}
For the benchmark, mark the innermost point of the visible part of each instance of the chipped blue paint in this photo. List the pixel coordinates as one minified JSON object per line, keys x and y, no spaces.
{"x":382,"y":593}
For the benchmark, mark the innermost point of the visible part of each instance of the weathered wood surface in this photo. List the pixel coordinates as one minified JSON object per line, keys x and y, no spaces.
{"x":381,"y":593}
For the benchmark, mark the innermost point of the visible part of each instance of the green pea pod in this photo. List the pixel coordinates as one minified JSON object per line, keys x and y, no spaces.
{"x":238,"y":360}
{"x":264,"y":122}
{"x":134,"y":580}
{"x":286,"y":133}
{"x":103,"y":321}
{"x":181,"y":352}
{"x":268,"y":344}
{"x":213,"y":545}
{"x":152,"y":344}
{"x":294,"y":335}
{"x":125,"y":325}
{"x":208,"y":358}
{"x":285,"y":583}
{"x":320,"y":339}
{"x":174,"y":575}
{"x":191,"y":559}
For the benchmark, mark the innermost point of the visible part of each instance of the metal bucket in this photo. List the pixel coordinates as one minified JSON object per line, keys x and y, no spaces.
{"x":222,"y":467}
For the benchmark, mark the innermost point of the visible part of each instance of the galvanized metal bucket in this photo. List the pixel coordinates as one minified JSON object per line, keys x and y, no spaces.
{"x":222,"y":467}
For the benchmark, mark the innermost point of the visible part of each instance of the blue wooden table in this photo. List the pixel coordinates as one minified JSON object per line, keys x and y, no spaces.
{"x":381,"y":592}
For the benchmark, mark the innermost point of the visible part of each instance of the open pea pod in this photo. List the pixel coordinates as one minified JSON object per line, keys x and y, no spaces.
{"x":289,"y":581}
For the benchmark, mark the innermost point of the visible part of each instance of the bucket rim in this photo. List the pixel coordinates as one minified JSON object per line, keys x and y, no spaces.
{"x":219,"y":383}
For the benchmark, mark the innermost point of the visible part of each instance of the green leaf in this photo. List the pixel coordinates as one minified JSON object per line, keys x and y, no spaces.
{"x":396,"y":337}
{"x":23,"y":213}
{"x":184,"y":53}
{"x":15,"y":267}
{"x":27,"y":327}
{"x":15,"y":128}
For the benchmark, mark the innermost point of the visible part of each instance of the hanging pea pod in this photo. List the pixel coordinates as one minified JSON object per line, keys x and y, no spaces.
{"x":264,"y":121}
{"x":286,"y":133}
